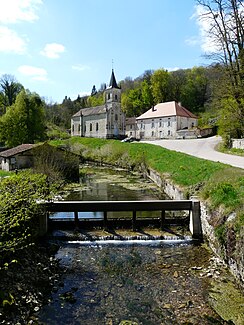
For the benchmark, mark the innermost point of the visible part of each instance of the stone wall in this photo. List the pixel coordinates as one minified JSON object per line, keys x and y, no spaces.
{"x":232,"y":253}
{"x":238,"y":143}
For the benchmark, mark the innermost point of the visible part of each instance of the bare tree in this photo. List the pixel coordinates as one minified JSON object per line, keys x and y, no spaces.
{"x":225,"y":21}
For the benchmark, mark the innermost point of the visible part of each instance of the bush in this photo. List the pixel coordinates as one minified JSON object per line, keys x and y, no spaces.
{"x":19,"y":211}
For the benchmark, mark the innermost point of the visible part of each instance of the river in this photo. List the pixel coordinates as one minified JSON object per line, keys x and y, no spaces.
{"x":130,"y":282}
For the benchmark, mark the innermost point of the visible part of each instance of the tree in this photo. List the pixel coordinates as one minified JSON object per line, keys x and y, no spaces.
{"x":94,"y":90}
{"x":24,"y":121}
{"x":160,"y":86}
{"x":193,"y":91}
{"x":10,"y":88}
{"x":225,"y":19}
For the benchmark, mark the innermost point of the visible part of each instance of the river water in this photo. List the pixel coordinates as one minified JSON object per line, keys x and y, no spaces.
{"x":130,"y":282}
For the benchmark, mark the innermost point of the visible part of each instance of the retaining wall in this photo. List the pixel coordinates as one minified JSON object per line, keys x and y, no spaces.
{"x":232,"y":253}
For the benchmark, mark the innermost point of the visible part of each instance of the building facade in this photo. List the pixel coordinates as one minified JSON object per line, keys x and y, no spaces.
{"x":164,"y":120}
{"x":105,"y":121}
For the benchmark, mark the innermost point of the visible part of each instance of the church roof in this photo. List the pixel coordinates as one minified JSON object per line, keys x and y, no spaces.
{"x":91,"y":111}
{"x":113,"y":83}
{"x":167,"y":109}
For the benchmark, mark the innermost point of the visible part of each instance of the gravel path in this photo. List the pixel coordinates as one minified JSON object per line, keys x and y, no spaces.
{"x":202,"y":148}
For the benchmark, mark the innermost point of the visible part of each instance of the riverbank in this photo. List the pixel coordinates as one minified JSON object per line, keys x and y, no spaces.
{"x":27,"y":282}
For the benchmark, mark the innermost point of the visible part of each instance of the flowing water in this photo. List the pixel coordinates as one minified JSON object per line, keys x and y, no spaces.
{"x":130,"y":282}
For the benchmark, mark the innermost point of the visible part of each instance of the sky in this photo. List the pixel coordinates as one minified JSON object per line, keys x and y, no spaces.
{"x":60,"y":48}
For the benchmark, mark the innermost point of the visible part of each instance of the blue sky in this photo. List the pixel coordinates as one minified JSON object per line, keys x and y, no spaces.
{"x":64,"y":47}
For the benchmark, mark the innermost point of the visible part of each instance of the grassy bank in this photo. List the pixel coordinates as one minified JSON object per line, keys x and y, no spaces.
{"x":4,"y":173}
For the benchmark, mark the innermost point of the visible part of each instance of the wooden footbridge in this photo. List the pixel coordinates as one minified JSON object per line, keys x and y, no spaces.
{"x":191,"y":206}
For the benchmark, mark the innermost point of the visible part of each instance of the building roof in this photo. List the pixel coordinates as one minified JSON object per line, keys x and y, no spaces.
{"x":91,"y":111}
{"x":166,"y":110}
{"x":16,"y":150}
{"x":113,"y":83}
{"x":130,"y":120}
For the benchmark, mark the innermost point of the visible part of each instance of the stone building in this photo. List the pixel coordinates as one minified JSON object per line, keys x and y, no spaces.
{"x":166,"y":120}
{"x":105,"y":121}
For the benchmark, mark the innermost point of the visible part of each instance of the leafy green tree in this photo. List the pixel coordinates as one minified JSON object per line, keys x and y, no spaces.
{"x":230,"y":121}
{"x":160,"y":86}
{"x":147,"y":95}
{"x":24,"y":121}
{"x":9,"y":88}
{"x":194,"y":90}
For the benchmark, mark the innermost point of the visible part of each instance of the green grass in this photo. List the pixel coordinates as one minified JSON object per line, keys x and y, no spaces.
{"x":4,"y":173}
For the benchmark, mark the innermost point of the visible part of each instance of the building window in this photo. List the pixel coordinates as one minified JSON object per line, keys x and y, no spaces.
{"x":169,"y":122}
{"x":152,"y":123}
{"x":168,"y":132}
{"x":160,"y":124}
{"x":131,"y":126}
{"x":152,"y":133}
{"x":108,"y":95}
{"x":79,"y":128}
{"x":131,"y":133}
{"x":96,"y":126}
{"x":85,"y":127}
{"x":116,"y":97}
{"x":116,"y":117}
{"x":73,"y":128}
{"x":90,"y":127}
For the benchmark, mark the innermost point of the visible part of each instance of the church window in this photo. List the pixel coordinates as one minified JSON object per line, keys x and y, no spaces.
{"x":96,"y":126}
{"x":116,"y":117}
{"x":169,"y":122}
{"x":116,"y":97}
{"x":90,"y":127}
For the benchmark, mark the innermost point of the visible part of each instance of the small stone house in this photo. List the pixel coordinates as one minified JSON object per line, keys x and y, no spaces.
{"x":105,"y":121}
{"x":17,"y":158}
{"x":164,"y":120}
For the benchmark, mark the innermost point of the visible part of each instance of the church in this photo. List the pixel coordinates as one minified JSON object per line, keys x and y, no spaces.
{"x":105,"y":121}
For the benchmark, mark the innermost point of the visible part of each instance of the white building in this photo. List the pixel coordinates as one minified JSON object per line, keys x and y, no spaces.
{"x":105,"y":121}
{"x":164,"y":120}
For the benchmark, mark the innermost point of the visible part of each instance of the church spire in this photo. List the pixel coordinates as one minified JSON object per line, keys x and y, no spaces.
{"x":113,"y":83}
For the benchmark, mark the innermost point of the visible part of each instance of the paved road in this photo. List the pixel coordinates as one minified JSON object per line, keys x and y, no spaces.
{"x":202,"y":148}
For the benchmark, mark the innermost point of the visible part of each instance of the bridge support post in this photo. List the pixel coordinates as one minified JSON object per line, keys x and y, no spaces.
{"x":76,"y":219}
{"x":162,"y":219}
{"x":195,"y":220}
{"x":105,"y":220}
{"x":134,"y":221}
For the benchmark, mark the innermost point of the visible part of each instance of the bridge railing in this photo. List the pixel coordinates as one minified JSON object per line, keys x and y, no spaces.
{"x":193,"y":206}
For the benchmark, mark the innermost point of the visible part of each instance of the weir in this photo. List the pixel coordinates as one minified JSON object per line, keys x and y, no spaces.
{"x":192,"y":206}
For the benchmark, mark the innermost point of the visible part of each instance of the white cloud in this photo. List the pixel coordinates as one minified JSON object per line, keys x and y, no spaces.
{"x":53,"y":50}
{"x":208,"y":44}
{"x":33,"y":72}
{"x":80,"y":67}
{"x":14,"y":11}
{"x":172,"y":69}
{"x":10,"y":42}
